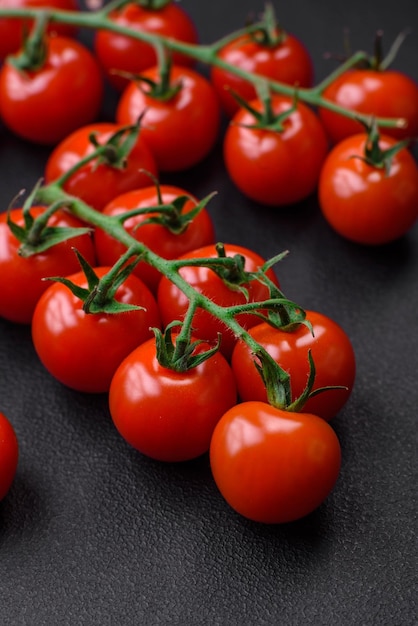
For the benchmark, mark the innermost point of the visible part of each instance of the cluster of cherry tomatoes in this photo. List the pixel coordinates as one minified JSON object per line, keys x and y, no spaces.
{"x":271,"y":464}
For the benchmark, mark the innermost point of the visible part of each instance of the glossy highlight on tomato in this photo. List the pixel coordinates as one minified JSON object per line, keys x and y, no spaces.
{"x":22,"y":278}
{"x":83,"y":350}
{"x":9,"y":455}
{"x":379,"y":93}
{"x":367,"y":204}
{"x":332,"y":353}
{"x":159,"y":238}
{"x":180,"y":130}
{"x":120,"y":53}
{"x":44,"y":105}
{"x":287,"y":61}
{"x":273,"y":466}
{"x":276,"y":168}
{"x":97,"y":183}
{"x":169,"y":415}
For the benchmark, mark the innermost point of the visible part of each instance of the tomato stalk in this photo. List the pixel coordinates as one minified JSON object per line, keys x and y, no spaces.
{"x":206,"y":54}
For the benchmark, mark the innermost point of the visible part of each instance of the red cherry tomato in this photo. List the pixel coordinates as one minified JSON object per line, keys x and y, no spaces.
{"x":169,"y":415}
{"x":83,"y":350}
{"x":12,"y":30}
{"x":273,"y":466}
{"x":97,"y":183}
{"x":173,"y":303}
{"x":117,"y":52}
{"x":46,"y":104}
{"x":364,"y":203}
{"x":332,"y":353}
{"x":287,"y":61}
{"x":276,"y":168}
{"x":9,"y":455}
{"x":180,"y":130}
{"x":381,"y":93}
{"x":158,"y":237}
{"x":21,"y":278}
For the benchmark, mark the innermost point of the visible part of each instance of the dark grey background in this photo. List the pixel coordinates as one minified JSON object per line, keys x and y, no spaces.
{"x":92,"y":533}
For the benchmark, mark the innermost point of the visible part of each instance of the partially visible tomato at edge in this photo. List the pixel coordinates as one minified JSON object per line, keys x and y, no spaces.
{"x":9,"y":455}
{"x":97,"y":183}
{"x":159,"y":238}
{"x":21,"y":278}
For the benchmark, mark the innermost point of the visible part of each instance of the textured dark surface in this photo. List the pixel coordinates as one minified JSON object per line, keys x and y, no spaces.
{"x":93,"y":533}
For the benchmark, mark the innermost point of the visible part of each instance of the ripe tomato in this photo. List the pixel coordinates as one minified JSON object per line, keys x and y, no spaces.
{"x":118,"y":52}
{"x":273,"y":466}
{"x":165,"y":414}
{"x":180,"y":130}
{"x":332,"y":353}
{"x":287,"y":61}
{"x":21,"y":283}
{"x":44,"y":105}
{"x":158,"y":237}
{"x":9,"y":455}
{"x":381,"y":93}
{"x":12,"y":30}
{"x":273,"y":167}
{"x":83,"y":350}
{"x":97,"y":183}
{"x":365,"y":203}
{"x":173,"y":303}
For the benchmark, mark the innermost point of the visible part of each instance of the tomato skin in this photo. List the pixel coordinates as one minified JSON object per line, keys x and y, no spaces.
{"x":287,"y":62}
{"x":366,"y":204}
{"x":117,"y":52}
{"x":180,"y":131}
{"x":276,"y":168}
{"x":9,"y":455}
{"x":385,"y":93}
{"x":173,"y":303}
{"x":97,"y":184}
{"x":167,"y":415}
{"x":21,"y":279}
{"x":82,"y":350}
{"x":331,"y":350}
{"x":44,"y":105}
{"x":199,"y":232}
{"x":11,"y":30}
{"x":273,"y":466}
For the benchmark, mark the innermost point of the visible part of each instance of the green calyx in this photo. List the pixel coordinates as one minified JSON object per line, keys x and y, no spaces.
{"x":268,"y":33}
{"x":99,"y":296}
{"x":266,"y":118}
{"x":117,"y":148}
{"x":373,"y":153}
{"x":180,"y":354}
{"x":35,"y":236}
{"x":34,"y":50}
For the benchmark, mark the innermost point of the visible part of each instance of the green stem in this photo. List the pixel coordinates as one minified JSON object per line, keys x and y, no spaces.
{"x":206,"y":54}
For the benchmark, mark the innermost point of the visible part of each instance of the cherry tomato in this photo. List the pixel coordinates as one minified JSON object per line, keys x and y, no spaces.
{"x":97,"y":183}
{"x":44,"y":105}
{"x":158,"y":237}
{"x":272,"y":167}
{"x":117,"y":52}
{"x":381,"y":93}
{"x":287,"y":61}
{"x":365,"y":203}
{"x":332,"y":353}
{"x":83,"y":350}
{"x":21,"y":278}
{"x":169,"y":415}
{"x":273,"y":466}
{"x":12,"y":30}
{"x":9,"y":455}
{"x":173,"y":303}
{"x":180,"y":130}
